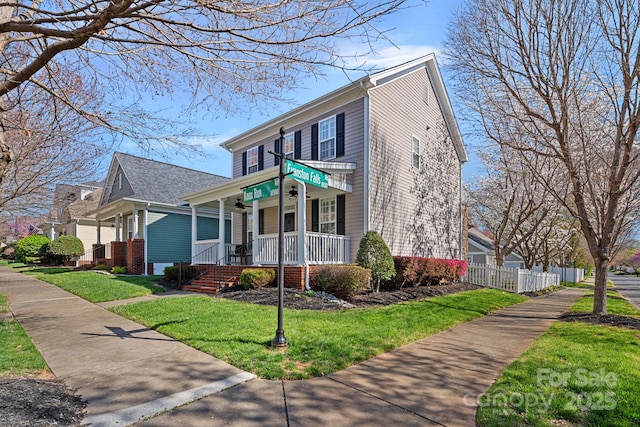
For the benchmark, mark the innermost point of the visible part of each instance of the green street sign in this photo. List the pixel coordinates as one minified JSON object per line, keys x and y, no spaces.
{"x":260,"y":191}
{"x":307,"y":175}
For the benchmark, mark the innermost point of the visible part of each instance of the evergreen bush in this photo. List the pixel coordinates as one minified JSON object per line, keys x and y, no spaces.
{"x":374,"y":255}
{"x":340,"y":280}
{"x":63,"y":248}
{"x":31,"y":248}
{"x":256,"y":278}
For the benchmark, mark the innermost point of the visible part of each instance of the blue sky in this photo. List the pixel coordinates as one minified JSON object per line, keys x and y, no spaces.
{"x":412,"y":32}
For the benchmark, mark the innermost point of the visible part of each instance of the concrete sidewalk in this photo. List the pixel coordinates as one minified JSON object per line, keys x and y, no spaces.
{"x":126,"y":371}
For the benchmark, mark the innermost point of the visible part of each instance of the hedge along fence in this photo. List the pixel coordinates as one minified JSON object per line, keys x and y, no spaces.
{"x":416,"y":271}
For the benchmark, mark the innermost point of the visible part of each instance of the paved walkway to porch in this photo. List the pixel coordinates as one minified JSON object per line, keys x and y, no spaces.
{"x":127,"y":372}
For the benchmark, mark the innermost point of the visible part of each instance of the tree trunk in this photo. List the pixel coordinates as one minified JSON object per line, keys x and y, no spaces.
{"x":600,"y":292}
{"x":499,"y":259}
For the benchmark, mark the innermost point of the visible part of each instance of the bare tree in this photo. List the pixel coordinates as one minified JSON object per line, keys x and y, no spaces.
{"x":567,"y":73}
{"x":49,"y":145}
{"x":218,"y":53}
{"x":508,"y":202}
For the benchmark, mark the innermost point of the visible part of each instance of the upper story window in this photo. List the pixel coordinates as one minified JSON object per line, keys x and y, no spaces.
{"x":252,"y":160}
{"x":328,"y":216}
{"x":289,"y":145}
{"x":327,"y":138}
{"x":415,"y":152}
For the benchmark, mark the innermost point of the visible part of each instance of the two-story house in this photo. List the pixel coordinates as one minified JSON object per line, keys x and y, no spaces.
{"x":392,"y":153}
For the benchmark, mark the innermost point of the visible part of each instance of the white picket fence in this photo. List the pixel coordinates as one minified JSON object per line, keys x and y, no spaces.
{"x":510,"y":279}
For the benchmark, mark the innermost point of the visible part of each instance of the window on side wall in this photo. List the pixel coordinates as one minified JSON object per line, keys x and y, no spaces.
{"x":252,"y":160}
{"x":328,"y":216}
{"x":289,"y":145}
{"x":415,"y":153}
{"x":327,"y":138}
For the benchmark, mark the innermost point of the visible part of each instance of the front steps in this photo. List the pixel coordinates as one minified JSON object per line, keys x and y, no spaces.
{"x":211,"y":282}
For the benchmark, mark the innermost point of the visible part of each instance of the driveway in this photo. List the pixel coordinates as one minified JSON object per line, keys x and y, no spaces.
{"x":628,"y":286}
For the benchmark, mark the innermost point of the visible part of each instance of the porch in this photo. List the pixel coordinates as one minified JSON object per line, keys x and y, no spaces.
{"x":312,"y":248}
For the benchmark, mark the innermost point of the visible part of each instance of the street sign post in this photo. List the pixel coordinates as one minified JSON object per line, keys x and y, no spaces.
{"x":307,"y":174}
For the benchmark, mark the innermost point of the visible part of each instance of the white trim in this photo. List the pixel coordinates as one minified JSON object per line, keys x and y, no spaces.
{"x":367,"y":161}
{"x":221,"y":233}
{"x":334,"y":137}
{"x":257,"y":163}
{"x":194,"y":230}
{"x":255,"y":226}
{"x":146,"y":241}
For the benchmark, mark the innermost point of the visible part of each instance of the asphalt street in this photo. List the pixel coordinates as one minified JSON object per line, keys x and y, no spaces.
{"x":629,"y":286}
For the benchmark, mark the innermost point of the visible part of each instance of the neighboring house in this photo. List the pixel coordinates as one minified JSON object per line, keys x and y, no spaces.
{"x":482,"y":251}
{"x":70,"y":214}
{"x":152,"y":225}
{"x":393,"y":151}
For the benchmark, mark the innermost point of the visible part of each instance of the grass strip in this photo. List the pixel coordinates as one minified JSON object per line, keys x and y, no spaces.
{"x":320,"y":342}
{"x":18,"y":354}
{"x":576,"y":374}
{"x":97,"y":287}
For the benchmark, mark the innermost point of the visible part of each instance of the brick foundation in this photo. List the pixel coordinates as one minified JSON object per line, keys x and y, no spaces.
{"x":118,"y":254}
{"x":293,"y":274}
{"x":135,"y":258}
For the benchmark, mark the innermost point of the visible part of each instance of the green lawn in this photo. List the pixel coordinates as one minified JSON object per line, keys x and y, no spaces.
{"x":18,"y":355}
{"x":319,"y":342}
{"x":97,"y":287}
{"x":576,"y":374}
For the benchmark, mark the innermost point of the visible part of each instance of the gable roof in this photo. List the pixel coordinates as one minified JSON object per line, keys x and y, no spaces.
{"x":81,"y":208}
{"x":157,"y":182}
{"x":359,"y":88}
{"x":478,"y":237}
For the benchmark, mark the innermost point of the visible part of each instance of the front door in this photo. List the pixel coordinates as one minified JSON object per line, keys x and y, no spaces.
{"x":289,"y":221}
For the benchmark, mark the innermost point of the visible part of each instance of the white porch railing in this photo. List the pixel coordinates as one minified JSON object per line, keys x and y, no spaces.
{"x":510,"y":279}
{"x":206,"y":251}
{"x":321,"y":248}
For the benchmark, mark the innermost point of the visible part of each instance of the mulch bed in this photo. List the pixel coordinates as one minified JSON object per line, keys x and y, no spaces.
{"x":299,"y":300}
{"x":607,"y":319}
{"x":37,"y":402}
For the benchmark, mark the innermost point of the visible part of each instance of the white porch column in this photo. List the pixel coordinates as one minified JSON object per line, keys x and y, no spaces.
{"x":221,"y":231}
{"x":302,"y":223}
{"x":135,"y":223}
{"x":52,"y":234}
{"x":97,"y":232}
{"x":194,"y":230}
{"x":146,"y":240}
{"x":118,"y":227}
{"x":255,"y":230}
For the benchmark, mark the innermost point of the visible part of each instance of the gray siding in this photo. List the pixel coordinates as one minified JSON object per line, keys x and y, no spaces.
{"x":354,"y":153}
{"x":117,"y":192}
{"x":416,"y":211}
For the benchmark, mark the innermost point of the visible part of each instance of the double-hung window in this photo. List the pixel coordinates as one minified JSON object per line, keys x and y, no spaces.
{"x":327,"y":138}
{"x":328,"y":216}
{"x":252,"y":160}
{"x":289,"y":145}
{"x":415,"y":152}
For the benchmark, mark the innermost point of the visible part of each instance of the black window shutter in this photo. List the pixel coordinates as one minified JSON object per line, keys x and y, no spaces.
{"x":260,"y":221}
{"x":244,"y":228}
{"x":261,"y":157}
{"x":297,"y":142}
{"x":315,"y":215}
{"x":340,"y":135}
{"x":244,"y":163}
{"x":340,"y":214}
{"x":276,"y":149}
{"x":314,"y":142}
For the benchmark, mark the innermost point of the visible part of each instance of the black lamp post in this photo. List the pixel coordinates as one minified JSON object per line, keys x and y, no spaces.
{"x":279,"y":340}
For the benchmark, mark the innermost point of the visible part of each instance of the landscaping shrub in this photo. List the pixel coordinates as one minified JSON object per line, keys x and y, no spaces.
{"x":188,"y":272}
{"x":374,"y":254}
{"x":63,"y":248}
{"x":416,"y":271}
{"x":9,"y":251}
{"x":340,"y":280}
{"x":31,"y":248}
{"x":100,"y":267}
{"x":117,"y":269}
{"x":256,"y":278}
